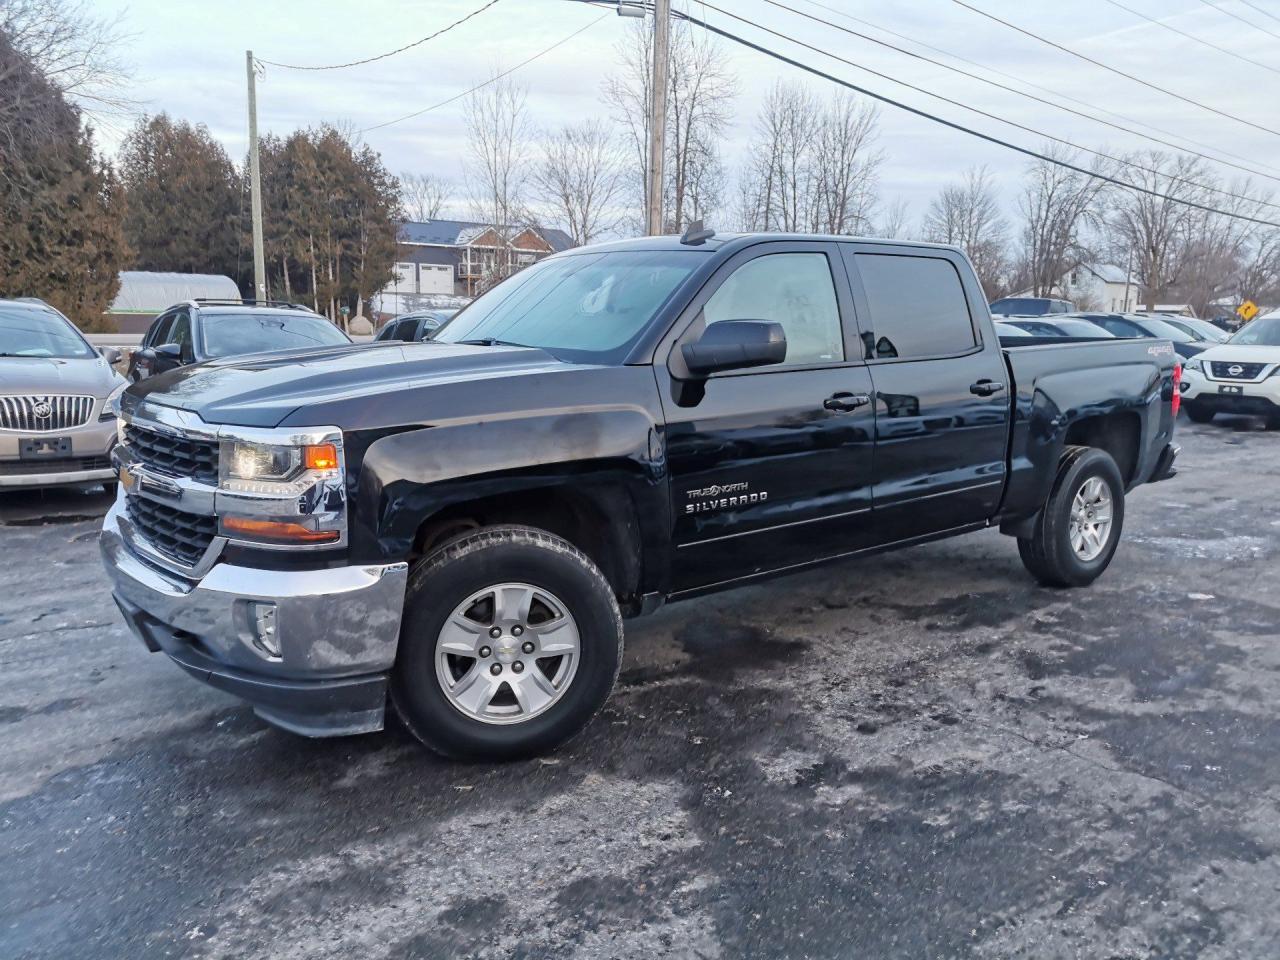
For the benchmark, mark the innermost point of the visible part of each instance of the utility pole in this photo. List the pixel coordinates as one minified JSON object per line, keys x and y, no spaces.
{"x":657,"y":114}
{"x":255,"y":185}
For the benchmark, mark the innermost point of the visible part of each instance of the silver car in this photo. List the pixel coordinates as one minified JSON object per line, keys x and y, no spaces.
{"x":56,"y":424}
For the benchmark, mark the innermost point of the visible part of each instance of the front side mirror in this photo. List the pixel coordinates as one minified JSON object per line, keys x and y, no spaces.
{"x":735,"y":345}
{"x":168,"y":353}
{"x":110,"y":354}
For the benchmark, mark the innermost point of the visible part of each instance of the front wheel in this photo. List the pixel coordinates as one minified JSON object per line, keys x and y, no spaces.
{"x":1197,"y":413}
{"x":511,"y":642}
{"x":1077,"y":532}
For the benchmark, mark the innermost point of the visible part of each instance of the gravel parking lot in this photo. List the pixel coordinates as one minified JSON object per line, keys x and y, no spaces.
{"x":922,"y":754}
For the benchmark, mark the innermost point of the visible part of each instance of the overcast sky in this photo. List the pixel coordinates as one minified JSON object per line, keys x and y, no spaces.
{"x":189,"y":61}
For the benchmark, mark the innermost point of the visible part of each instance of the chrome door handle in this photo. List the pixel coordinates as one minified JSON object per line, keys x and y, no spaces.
{"x":844,"y":402}
{"x":985,"y":388}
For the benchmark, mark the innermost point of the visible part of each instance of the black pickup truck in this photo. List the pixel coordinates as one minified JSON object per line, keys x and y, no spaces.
{"x":459,"y":526}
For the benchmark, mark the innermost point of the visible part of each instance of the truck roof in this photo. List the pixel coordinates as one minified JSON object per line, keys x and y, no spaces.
{"x":730,"y":242}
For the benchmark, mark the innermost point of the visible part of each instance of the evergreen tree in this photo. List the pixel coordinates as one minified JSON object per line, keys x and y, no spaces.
{"x":184,"y":199}
{"x":60,"y":236}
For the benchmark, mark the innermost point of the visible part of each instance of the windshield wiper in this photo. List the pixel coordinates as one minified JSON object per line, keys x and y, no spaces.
{"x":489,"y":342}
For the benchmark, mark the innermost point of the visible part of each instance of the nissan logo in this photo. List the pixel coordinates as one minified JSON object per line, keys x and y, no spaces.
{"x":1235,"y":369}
{"x":43,"y":410}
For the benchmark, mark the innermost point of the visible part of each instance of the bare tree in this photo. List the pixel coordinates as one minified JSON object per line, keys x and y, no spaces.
{"x":579,"y":175}
{"x":1156,"y":229}
{"x":499,"y":144}
{"x":848,"y":166}
{"x":894,"y":225}
{"x":967,"y":214}
{"x":1258,"y":277}
{"x":424,"y":195}
{"x":78,"y":51}
{"x":700,"y":95}
{"x":1058,"y":205}
{"x":814,"y":166}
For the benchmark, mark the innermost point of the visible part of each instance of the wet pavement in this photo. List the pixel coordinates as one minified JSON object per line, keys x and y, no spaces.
{"x":916,"y":755}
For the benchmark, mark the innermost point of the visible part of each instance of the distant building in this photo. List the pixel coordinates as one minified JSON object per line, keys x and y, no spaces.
{"x":1097,"y":286}
{"x":452,"y":258}
{"x":144,"y":294}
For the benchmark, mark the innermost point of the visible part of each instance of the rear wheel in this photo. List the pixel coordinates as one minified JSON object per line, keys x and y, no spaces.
{"x":1077,"y":532}
{"x":1196,"y":413}
{"x":511,"y":642}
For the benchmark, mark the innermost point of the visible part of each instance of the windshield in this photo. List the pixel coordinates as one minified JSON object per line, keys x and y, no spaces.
{"x":36,"y":332}
{"x":1027,"y":306}
{"x":1165,"y":330}
{"x":1263,"y":332}
{"x":588,"y":308}
{"x":1082,"y":328}
{"x":229,"y":334}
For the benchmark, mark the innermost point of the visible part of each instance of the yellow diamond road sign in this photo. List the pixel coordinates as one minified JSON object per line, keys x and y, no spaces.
{"x":1247,"y":310}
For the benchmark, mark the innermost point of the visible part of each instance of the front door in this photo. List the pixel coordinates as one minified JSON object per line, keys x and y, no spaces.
{"x":771,"y":467}
{"x":942,"y":397}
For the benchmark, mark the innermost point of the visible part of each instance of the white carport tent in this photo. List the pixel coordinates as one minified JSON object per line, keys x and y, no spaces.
{"x":143,"y":294}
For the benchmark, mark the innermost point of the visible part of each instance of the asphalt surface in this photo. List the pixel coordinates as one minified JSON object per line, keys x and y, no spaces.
{"x":917,"y":755}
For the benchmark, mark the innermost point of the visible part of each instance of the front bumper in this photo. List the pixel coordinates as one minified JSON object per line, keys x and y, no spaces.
{"x":1256,"y":397}
{"x":337,"y":631}
{"x":89,"y":461}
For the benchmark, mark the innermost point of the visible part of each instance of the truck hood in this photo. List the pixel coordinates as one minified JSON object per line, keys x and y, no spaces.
{"x":261,"y":390}
{"x":56,"y":375}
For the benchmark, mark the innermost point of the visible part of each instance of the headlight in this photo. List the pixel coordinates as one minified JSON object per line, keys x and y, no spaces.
{"x":111,"y":406}
{"x":282,"y":494}
{"x":1194,"y":363}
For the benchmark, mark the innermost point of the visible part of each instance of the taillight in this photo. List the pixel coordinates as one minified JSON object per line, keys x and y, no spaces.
{"x":1176,"y":403}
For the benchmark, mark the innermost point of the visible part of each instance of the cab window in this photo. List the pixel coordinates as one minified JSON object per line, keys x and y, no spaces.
{"x":792,"y":289}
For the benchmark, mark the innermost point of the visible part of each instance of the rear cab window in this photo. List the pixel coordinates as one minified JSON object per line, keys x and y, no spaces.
{"x":917,"y":306}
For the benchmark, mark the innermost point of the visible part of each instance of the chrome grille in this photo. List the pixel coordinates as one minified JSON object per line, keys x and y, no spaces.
{"x":44,"y":414}
{"x":1235,"y":371}
{"x":179,"y":535}
{"x":174,"y":455}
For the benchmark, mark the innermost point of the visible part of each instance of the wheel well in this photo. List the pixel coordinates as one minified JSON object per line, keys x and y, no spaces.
{"x":1119,"y":434}
{"x":602,"y":526}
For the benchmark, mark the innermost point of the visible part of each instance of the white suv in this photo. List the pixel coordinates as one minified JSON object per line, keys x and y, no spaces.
{"x":1239,"y":376}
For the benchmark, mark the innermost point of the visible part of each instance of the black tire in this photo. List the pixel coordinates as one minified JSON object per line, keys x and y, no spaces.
{"x":1198,"y":414}
{"x":446,"y":578}
{"x":1273,"y":422}
{"x":1047,"y":553}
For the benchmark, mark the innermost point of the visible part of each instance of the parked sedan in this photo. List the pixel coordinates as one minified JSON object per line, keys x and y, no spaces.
{"x":56,"y":422}
{"x":1132,"y":325}
{"x":204,"y":329}
{"x":412,"y":327}
{"x":1200,"y":329}
{"x":1062,"y":327}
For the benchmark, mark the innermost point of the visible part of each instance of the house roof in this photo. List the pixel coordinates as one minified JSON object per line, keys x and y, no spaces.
{"x":1107,"y":272}
{"x":452,"y":233}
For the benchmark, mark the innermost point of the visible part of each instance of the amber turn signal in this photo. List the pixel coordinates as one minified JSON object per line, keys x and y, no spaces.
{"x":279,"y":530}
{"x":320,"y":456}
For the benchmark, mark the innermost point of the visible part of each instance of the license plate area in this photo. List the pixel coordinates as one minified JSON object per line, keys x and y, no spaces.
{"x":43,"y":448}
{"x":1233,"y":391}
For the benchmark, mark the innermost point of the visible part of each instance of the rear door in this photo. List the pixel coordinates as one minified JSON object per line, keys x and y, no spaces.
{"x":942,"y":400}
{"x":770,"y":467}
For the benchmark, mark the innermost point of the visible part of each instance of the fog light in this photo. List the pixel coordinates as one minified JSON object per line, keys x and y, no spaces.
{"x":265,"y":637}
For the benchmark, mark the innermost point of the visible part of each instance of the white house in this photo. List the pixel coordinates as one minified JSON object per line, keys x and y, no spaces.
{"x":1097,"y":286}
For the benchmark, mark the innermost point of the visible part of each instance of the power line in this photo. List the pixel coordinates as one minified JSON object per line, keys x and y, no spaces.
{"x":1057,"y":93}
{"x":1001,"y":86}
{"x":1265,"y":13}
{"x":1026,"y":151}
{"x":982,"y":113}
{"x":1116,"y":71}
{"x":493,"y":79}
{"x":1191,"y":36}
{"x":383,"y":56}
{"x":1235,"y":16}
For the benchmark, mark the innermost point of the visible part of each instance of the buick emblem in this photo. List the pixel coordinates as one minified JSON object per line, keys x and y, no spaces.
{"x":43,"y":410}
{"x":1235,"y":370}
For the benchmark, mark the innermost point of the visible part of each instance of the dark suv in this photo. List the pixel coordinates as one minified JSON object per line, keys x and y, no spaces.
{"x":198,"y":330}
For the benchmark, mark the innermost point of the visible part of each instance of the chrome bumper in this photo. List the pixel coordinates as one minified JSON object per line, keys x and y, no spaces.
{"x":337,"y":630}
